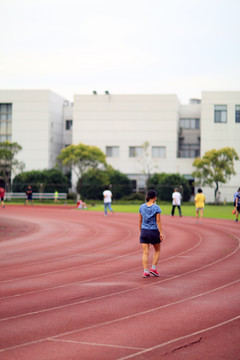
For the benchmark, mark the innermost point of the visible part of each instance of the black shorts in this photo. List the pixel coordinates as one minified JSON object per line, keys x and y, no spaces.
{"x":238,"y":208}
{"x":150,"y":236}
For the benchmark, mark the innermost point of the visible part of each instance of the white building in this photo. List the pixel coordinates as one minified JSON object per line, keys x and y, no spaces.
{"x":220,"y":127}
{"x":33,"y":119}
{"x":140,"y":134}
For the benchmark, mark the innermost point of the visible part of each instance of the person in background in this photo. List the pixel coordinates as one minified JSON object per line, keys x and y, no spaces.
{"x":199,"y":203}
{"x":107,"y":199}
{"x":235,"y":195}
{"x":56,"y":196}
{"x":237,"y":205}
{"x":29,"y":194}
{"x":81,"y":205}
{"x":176,"y":201}
{"x":151,"y":232}
{"x":2,"y":193}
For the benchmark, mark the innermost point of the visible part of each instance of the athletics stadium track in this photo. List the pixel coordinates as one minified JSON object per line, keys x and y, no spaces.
{"x":72,"y":288}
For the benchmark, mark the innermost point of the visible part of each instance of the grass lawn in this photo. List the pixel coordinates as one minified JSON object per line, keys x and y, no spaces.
{"x":210,"y":211}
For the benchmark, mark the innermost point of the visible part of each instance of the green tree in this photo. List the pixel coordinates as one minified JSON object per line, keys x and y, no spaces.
{"x":164,"y":185}
{"x":92,"y":184}
{"x":94,"y":181}
{"x":120,"y":183}
{"x":216,"y":166}
{"x":8,"y":161}
{"x":80,"y":158}
{"x":41,"y":181}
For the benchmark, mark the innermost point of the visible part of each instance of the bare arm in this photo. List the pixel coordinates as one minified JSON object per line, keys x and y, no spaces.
{"x":159,"y":225}
{"x":140,"y":221}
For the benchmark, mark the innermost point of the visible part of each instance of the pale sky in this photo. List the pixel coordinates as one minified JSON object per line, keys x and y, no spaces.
{"x":72,"y":47}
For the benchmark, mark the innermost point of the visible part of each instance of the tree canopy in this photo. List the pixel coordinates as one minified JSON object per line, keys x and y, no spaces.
{"x":164,"y":185}
{"x":216,"y":166}
{"x":41,"y":181}
{"x":8,"y":162}
{"x":94,"y":181}
{"x":81,"y":157}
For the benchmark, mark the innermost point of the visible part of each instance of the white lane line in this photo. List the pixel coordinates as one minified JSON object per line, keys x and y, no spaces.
{"x":97,"y":344}
{"x":123,"y":319}
{"x":180,"y":338}
{"x":71,"y":268}
{"x":121,"y":292}
{"x":104,"y":276}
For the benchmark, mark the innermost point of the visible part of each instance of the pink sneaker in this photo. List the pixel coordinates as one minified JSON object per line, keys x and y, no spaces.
{"x":145,"y":275}
{"x":154,"y":272}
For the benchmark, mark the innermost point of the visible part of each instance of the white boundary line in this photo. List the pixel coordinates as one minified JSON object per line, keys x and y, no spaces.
{"x":180,"y":338}
{"x":104,"y":276}
{"x":96,"y":344}
{"x":125,"y":318}
{"x":124,"y":291}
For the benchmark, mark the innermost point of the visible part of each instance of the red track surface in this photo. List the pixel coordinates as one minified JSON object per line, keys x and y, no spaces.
{"x":71,"y":288}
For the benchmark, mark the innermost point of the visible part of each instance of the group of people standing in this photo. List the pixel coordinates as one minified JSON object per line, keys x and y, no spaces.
{"x":199,"y":203}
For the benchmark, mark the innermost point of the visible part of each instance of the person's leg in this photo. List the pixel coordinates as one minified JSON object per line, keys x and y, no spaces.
{"x":179,"y":210}
{"x":201,"y":213}
{"x":156,"y":256}
{"x":110,"y":208}
{"x":105,"y":208}
{"x":145,"y":248}
{"x":173,"y":209}
{"x":157,"y":248}
{"x":197,"y":214}
{"x":237,"y":212}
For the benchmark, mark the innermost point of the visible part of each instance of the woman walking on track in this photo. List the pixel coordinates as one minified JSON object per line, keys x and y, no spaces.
{"x":151,"y":231}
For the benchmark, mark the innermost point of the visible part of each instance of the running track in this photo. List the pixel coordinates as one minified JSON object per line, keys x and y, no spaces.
{"x":71,"y":288}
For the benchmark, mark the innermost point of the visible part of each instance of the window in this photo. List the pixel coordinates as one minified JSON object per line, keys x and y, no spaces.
{"x":220,"y":113}
{"x":158,"y":151}
{"x":237,"y":114}
{"x":68,"y":125}
{"x":189,"y":123}
{"x":189,"y":150}
{"x":112,"y":151}
{"x":135,"y":151}
{"x":5,"y":122}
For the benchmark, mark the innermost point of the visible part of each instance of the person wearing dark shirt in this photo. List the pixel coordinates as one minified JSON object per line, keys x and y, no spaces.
{"x":237,"y":205}
{"x":29,"y":194}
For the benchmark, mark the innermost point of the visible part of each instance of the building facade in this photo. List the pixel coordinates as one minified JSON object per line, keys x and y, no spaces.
{"x":34,"y":120}
{"x":140,"y":134}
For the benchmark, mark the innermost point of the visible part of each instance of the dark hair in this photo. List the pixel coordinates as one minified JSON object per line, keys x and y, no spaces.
{"x":151,"y":195}
{"x":199,"y":191}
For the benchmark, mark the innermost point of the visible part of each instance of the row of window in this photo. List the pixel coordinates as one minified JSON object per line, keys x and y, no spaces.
{"x":136,"y":151}
{"x":220,"y":116}
{"x":189,"y":123}
{"x":189,"y":150}
{"x":5,"y":122}
{"x":220,"y":113}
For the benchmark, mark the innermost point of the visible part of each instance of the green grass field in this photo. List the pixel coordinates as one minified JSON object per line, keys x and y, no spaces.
{"x":188,"y":209}
{"x":210,"y":211}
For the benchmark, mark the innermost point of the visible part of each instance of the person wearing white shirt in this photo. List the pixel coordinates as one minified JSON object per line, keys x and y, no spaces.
{"x":176,"y":201}
{"x":107,"y":199}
